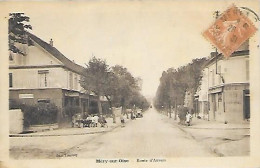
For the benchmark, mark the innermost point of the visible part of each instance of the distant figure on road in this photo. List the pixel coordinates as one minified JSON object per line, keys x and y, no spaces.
{"x":122,"y":120}
{"x":188,"y":118}
{"x":102,"y":121}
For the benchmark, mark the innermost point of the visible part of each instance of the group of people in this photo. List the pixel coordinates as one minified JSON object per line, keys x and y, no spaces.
{"x":90,"y":121}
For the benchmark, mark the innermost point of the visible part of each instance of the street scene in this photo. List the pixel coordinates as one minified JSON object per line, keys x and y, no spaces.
{"x":132,"y":83}
{"x":150,"y":136}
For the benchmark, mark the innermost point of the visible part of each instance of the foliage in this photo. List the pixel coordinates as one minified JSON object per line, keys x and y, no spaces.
{"x":139,"y":101}
{"x":126,"y":86}
{"x":182,"y":111}
{"x":71,"y":110}
{"x":18,"y":24}
{"x":96,"y":78}
{"x":175,"y":82}
{"x":116,"y":83}
{"x":42,"y":113}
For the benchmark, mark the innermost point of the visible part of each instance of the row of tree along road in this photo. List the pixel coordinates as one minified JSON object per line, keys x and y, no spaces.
{"x":174,"y":83}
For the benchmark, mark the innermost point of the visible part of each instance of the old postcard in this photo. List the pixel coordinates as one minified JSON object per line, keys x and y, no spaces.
{"x":130,"y":83}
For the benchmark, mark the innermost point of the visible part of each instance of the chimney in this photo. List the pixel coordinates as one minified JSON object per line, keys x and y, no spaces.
{"x":213,"y":54}
{"x":51,"y":42}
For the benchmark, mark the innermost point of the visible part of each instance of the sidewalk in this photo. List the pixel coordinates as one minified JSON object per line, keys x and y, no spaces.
{"x":204,"y":124}
{"x":223,"y":139}
{"x":75,"y":131}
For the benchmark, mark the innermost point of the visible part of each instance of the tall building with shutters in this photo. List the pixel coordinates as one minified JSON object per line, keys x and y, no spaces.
{"x":45,"y":75}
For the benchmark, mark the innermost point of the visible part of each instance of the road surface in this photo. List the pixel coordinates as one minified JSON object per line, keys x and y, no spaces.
{"x":150,"y":136}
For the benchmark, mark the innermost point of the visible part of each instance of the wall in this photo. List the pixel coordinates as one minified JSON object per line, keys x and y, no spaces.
{"x":233,"y":70}
{"x":54,"y":95}
{"x":234,"y":100}
{"x":29,"y":78}
{"x":230,"y":109}
{"x":34,"y":54}
{"x":219,"y":114}
{"x":15,"y":121}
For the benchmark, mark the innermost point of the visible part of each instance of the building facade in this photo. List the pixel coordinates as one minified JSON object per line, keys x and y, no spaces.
{"x":201,"y":97}
{"x":46,"y":75}
{"x":228,"y":86}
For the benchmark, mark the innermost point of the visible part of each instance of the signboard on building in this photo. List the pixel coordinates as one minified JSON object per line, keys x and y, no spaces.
{"x":26,"y":96}
{"x":72,"y":94}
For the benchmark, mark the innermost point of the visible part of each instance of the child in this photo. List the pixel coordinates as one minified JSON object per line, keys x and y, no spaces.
{"x":188,"y":118}
{"x":122,"y":120}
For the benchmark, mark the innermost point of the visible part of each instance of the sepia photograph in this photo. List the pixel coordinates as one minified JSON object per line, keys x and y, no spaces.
{"x":131,"y":82}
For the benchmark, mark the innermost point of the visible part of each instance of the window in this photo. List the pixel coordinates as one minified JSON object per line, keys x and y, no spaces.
{"x":247,"y":69}
{"x":43,"y":81}
{"x":213,"y":77}
{"x":76,"y":82}
{"x":10,"y":80}
{"x":71,"y":80}
{"x":220,"y":97}
{"x":43,"y":100}
{"x":219,"y":74}
{"x":11,"y":57}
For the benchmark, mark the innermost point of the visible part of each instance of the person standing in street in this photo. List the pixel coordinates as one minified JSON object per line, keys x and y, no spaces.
{"x":122,"y":120}
{"x":95,"y":119}
{"x":188,"y":118}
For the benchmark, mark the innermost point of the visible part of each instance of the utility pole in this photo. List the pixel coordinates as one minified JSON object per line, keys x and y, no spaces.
{"x":216,"y":51}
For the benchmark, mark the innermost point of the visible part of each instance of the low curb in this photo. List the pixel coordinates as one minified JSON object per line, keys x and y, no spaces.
{"x":85,"y":133}
{"x":190,"y":127}
{"x":26,"y":135}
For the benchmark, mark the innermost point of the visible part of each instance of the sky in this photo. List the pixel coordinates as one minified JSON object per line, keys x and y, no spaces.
{"x":146,"y":37}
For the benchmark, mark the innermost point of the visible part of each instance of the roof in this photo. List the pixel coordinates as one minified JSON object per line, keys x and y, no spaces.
{"x":57,"y":54}
{"x":241,"y":51}
{"x":221,"y":57}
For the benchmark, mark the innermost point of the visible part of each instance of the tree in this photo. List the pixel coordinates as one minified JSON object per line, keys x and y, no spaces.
{"x":127,"y":85}
{"x":115,"y":83}
{"x":96,"y":78}
{"x":175,"y":82}
{"x":111,"y":90}
{"x":18,"y":25}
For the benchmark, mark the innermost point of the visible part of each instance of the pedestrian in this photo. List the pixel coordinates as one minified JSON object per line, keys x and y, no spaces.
{"x":102,"y":121}
{"x":122,"y":120}
{"x":188,"y":118}
{"x":89,"y":121}
{"x":95,"y":118}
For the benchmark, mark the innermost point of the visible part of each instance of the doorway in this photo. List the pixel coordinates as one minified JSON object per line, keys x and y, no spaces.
{"x":246,"y":104}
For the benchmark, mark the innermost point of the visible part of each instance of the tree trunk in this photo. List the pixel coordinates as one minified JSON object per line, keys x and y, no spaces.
{"x":170,"y":109}
{"x":111,"y":107}
{"x":127,"y":116}
{"x":175,"y":111}
{"x":170,"y":116}
{"x":99,"y":106}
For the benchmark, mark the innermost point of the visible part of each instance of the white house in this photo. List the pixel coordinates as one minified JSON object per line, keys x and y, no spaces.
{"x":46,"y":75}
{"x":228,"y":86}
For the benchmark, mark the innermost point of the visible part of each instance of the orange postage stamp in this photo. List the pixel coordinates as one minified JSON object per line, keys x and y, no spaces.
{"x":230,"y":30}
